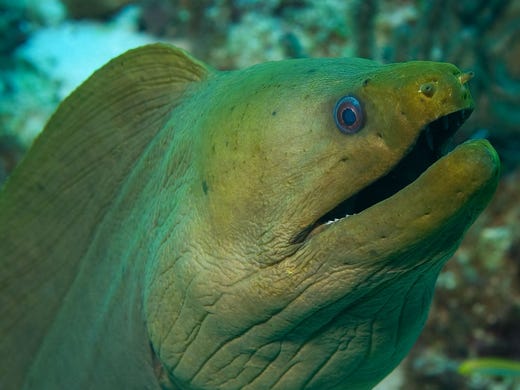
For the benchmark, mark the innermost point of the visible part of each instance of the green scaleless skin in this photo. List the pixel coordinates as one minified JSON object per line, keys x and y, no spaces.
{"x":153,"y":235}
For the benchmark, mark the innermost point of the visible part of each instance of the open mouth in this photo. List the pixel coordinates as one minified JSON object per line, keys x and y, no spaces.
{"x":433,"y":142}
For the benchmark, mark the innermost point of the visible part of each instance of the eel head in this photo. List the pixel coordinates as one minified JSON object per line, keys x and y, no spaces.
{"x":325,"y":202}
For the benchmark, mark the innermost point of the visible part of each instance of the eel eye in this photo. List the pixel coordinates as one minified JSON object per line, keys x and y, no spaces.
{"x":348,"y":115}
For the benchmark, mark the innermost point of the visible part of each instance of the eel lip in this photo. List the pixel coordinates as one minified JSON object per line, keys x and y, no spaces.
{"x":433,"y":142}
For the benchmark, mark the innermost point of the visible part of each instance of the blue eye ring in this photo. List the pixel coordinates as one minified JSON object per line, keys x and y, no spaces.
{"x":348,"y":115}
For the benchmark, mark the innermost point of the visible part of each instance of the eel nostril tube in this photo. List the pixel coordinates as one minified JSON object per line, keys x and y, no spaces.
{"x":465,"y":77}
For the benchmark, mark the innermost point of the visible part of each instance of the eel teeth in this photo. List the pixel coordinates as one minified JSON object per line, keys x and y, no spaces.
{"x":337,"y":219}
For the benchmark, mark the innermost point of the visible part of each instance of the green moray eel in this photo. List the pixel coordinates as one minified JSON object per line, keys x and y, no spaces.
{"x":277,"y":227}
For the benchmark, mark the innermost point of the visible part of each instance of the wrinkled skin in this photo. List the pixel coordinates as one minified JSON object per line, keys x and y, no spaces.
{"x":198,"y":276}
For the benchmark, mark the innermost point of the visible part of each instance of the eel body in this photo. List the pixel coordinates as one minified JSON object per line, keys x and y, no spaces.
{"x":276,"y":227}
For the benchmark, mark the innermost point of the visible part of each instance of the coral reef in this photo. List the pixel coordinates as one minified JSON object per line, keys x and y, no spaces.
{"x":53,"y":60}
